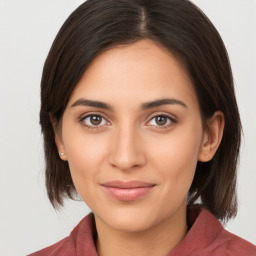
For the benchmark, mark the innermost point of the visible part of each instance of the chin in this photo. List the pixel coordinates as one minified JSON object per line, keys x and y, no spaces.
{"x":130,"y":225}
{"x":129,"y":220}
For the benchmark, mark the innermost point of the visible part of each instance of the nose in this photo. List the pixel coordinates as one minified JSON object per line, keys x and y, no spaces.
{"x":126,"y":150}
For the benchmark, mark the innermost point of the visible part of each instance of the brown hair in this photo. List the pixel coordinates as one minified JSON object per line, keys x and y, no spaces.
{"x":182,"y":28}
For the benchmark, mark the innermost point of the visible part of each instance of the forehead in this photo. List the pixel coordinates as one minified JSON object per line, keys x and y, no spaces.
{"x":141,"y":71}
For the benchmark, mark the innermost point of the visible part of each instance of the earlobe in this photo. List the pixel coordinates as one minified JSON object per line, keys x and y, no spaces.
{"x":212,"y":137}
{"x":63,"y":156}
{"x":60,"y":146}
{"x":58,"y":139}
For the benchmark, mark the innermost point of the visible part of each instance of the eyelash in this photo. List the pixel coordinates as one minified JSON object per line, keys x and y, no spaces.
{"x":172,"y":121}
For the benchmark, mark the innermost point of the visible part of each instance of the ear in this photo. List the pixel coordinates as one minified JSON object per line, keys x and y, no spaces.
{"x":58,"y":139}
{"x":212,"y":137}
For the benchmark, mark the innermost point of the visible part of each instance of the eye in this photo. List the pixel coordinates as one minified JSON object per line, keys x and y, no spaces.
{"x":94,"y":121}
{"x":162,"y":121}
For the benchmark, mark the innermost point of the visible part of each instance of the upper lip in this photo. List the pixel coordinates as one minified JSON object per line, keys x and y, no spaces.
{"x":127,"y":184}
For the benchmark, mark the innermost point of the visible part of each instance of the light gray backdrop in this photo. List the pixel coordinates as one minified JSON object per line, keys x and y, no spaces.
{"x":27,"y":29}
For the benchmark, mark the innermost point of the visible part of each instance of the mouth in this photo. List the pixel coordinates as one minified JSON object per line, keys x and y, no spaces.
{"x":127,"y":190}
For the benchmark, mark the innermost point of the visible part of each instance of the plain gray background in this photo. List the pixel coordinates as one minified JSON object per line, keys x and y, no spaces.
{"x":27,"y":29}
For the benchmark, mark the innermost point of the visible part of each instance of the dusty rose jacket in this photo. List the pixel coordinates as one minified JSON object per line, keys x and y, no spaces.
{"x":206,"y":237}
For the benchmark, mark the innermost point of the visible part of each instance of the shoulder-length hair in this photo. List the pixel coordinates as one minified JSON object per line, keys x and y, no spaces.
{"x":190,"y":36}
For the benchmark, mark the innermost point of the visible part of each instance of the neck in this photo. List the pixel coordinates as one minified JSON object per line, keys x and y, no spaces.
{"x":156,"y":241}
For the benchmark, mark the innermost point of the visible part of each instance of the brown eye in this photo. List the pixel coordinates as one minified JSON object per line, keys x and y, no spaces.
{"x":161,"y":120}
{"x":94,"y":120}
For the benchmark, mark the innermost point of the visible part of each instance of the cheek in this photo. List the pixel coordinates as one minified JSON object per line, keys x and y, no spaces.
{"x":85,"y":156}
{"x":176,"y":158}
{"x":83,"y":152}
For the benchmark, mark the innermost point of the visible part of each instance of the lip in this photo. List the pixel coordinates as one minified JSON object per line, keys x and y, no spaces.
{"x":127,"y":190}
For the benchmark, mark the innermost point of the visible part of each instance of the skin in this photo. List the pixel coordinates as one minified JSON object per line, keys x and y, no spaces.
{"x":128,"y":143}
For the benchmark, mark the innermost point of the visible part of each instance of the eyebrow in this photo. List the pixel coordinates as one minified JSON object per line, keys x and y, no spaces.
{"x":144,"y":106}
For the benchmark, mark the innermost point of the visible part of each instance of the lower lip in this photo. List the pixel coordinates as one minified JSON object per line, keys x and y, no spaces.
{"x":128,"y":194}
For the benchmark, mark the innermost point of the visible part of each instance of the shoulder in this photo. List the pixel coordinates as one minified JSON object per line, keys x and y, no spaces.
{"x":220,"y":241}
{"x":208,"y":237}
{"x":79,"y":242}
{"x":230,"y":244}
{"x":63,"y":247}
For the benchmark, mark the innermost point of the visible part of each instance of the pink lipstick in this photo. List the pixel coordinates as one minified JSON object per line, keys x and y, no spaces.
{"x":127,"y":191}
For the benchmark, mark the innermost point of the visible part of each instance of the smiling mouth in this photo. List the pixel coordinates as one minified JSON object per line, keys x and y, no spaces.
{"x":127,"y":191}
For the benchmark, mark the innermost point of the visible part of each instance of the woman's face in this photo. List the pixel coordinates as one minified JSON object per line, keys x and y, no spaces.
{"x":132,"y":134}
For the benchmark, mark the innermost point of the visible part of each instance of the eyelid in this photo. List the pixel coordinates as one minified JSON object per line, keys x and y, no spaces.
{"x":171,"y":116}
{"x":91,"y":113}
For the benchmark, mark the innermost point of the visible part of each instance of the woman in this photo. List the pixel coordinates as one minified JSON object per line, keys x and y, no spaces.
{"x":140,"y":119}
